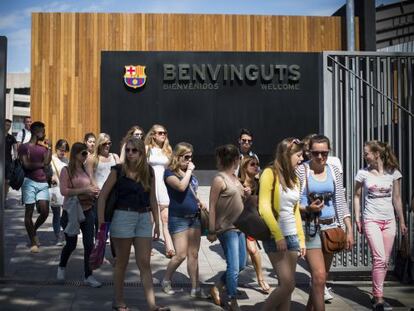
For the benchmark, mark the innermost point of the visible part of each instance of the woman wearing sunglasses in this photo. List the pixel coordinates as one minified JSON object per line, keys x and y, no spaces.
{"x":132,"y":223}
{"x":99,"y":163}
{"x":135,"y":131}
{"x":279,"y":197}
{"x":59,"y":161}
{"x":381,"y":181}
{"x":183,"y":217}
{"x":75,"y":182}
{"x":159,"y":153}
{"x":249,"y":168}
{"x":323,"y":206}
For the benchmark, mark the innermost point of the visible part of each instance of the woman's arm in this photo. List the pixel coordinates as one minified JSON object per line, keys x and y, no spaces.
{"x":217,"y":187}
{"x":103,"y":195}
{"x":90,"y":169}
{"x":357,"y":205}
{"x":396,"y":200}
{"x":116,"y":158}
{"x":177,"y":184}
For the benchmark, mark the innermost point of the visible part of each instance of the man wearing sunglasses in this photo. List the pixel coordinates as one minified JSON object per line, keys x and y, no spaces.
{"x":245,"y":146}
{"x":36,"y":156}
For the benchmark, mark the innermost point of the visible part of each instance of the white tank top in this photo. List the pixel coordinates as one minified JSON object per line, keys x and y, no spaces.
{"x":288,"y":200}
{"x":102,"y":171}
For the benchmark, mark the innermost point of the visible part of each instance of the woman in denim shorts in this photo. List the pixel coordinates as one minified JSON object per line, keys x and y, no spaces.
{"x":131,"y":223}
{"x":183,"y":217}
{"x":279,"y":196}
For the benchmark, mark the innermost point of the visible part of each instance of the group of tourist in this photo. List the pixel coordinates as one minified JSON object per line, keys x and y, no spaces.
{"x":300,"y":196}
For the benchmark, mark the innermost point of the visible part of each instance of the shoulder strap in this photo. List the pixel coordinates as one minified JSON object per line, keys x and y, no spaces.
{"x":56,"y":170}
{"x":24,"y":135}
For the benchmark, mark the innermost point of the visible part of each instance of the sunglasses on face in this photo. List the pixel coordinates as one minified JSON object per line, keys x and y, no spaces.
{"x":254,"y":164}
{"x":84,"y":153}
{"x":161,"y":133}
{"x":133,"y":150}
{"x":247,"y":141}
{"x":107,"y":144}
{"x":138,"y":134}
{"x":324,"y":154}
{"x":187,"y":157}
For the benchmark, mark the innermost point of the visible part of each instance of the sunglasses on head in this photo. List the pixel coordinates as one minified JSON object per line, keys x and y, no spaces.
{"x":247,"y":141}
{"x":133,"y":150}
{"x":84,"y":153}
{"x":161,"y":133}
{"x":107,"y":144}
{"x":317,"y":153}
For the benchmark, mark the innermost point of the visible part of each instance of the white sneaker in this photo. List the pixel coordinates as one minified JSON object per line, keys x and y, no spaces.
{"x":167,"y":288}
{"x":327,"y":294}
{"x":199,"y":293}
{"x":61,"y":274}
{"x":92,"y":282}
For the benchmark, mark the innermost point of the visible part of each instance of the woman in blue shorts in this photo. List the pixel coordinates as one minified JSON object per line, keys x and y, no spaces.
{"x":183,"y":217}
{"x":131,"y":223}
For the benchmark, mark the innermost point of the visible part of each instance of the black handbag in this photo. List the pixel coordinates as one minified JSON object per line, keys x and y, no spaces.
{"x":110,"y":203}
{"x":250,"y":222}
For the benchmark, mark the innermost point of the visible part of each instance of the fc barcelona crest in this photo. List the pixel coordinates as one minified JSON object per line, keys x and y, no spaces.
{"x":135,"y":76}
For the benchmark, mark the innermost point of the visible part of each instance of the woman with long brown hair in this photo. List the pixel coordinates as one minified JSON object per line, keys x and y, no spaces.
{"x":134,"y":131}
{"x":131,"y":223}
{"x":381,"y":182}
{"x":76,"y":184}
{"x":159,"y":154}
{"x":249,"y":169}
{"x":279,"y":198}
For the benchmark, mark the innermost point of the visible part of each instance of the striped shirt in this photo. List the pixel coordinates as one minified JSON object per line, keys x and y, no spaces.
{"x":339,"y":200}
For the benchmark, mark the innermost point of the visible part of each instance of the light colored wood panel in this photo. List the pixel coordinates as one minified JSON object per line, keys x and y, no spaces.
{"x":66,"y":52}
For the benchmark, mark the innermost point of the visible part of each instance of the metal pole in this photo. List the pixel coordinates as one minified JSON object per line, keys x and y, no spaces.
{"x":3,"y":67}
{"x":350,"y":25}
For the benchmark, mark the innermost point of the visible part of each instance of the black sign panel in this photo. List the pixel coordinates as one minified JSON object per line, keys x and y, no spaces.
{"x":204,"y":98}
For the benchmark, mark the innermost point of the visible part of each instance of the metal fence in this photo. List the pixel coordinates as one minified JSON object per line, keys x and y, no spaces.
{"x":369,"y":96}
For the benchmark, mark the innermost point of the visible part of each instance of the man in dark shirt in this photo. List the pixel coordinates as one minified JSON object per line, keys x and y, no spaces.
{"x":245,"y":146}
{"x":11,"y":144}
{"x":36,"y":156}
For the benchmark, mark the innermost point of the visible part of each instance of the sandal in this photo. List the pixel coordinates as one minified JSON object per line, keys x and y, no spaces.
{"x":120,"y":308}
{"x":265,"y":288}
{"x":170,"y":253}
{"x":215,"y":295}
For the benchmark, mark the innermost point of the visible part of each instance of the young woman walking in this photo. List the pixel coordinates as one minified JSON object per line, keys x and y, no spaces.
{"x":381,"y":183}
{"x":75,"y":183}
{"x":159,"y":153}
{"x":183,"y":217}
{"x":279,"y":198}
{"x":131,"y":224}
{"x":226,"y":205}
{"x":249,"y":168}
{"x":135,"y":131}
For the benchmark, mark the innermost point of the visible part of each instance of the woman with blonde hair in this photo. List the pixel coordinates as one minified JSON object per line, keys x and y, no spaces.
{"x":279,"y":198}
{"x":183,"y":217}
{"x":159,"y":153}
{"x":249,"y":169}
{"x":381,"y":182}
{"x":131,"y":223}
{"x":135,"y":131}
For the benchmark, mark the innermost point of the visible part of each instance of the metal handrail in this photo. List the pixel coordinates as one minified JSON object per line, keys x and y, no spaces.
{"x":372,"y":86}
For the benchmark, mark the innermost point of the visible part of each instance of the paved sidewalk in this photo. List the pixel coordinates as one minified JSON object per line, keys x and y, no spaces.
{"x":30,"y":282}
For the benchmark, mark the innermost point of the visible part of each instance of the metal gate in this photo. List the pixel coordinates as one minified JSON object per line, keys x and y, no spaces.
{"x":366,"y":96}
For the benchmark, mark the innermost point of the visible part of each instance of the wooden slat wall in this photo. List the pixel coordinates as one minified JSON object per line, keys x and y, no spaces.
{"x":66,"y":51}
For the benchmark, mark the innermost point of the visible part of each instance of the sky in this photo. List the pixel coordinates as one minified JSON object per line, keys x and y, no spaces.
{"x":15,"y":15}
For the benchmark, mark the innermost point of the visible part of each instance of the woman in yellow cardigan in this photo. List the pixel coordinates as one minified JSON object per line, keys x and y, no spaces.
{"x":279,"y":197}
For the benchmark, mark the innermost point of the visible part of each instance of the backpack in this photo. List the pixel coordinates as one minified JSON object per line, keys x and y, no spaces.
{"x":16,"y":174}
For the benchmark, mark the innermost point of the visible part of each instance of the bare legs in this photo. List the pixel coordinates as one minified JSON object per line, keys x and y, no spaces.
{"x":257,"y":264}
{"x":43,"y":209}
{"x":169,"y":248}
{"x":284,"y":264}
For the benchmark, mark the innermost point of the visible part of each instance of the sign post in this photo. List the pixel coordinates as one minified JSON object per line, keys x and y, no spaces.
{"x":3,"y":65}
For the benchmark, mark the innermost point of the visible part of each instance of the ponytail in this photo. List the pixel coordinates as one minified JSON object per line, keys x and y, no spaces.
{"x":386,"y":153}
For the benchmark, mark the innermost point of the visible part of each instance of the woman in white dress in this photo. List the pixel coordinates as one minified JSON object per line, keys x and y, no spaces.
{"x":159,"y":154}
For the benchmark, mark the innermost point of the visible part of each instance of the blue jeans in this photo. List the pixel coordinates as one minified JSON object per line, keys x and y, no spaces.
{"x":234,"y":246}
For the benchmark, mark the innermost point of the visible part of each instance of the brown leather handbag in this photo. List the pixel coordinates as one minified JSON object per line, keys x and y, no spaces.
{"x":333,"y":240}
